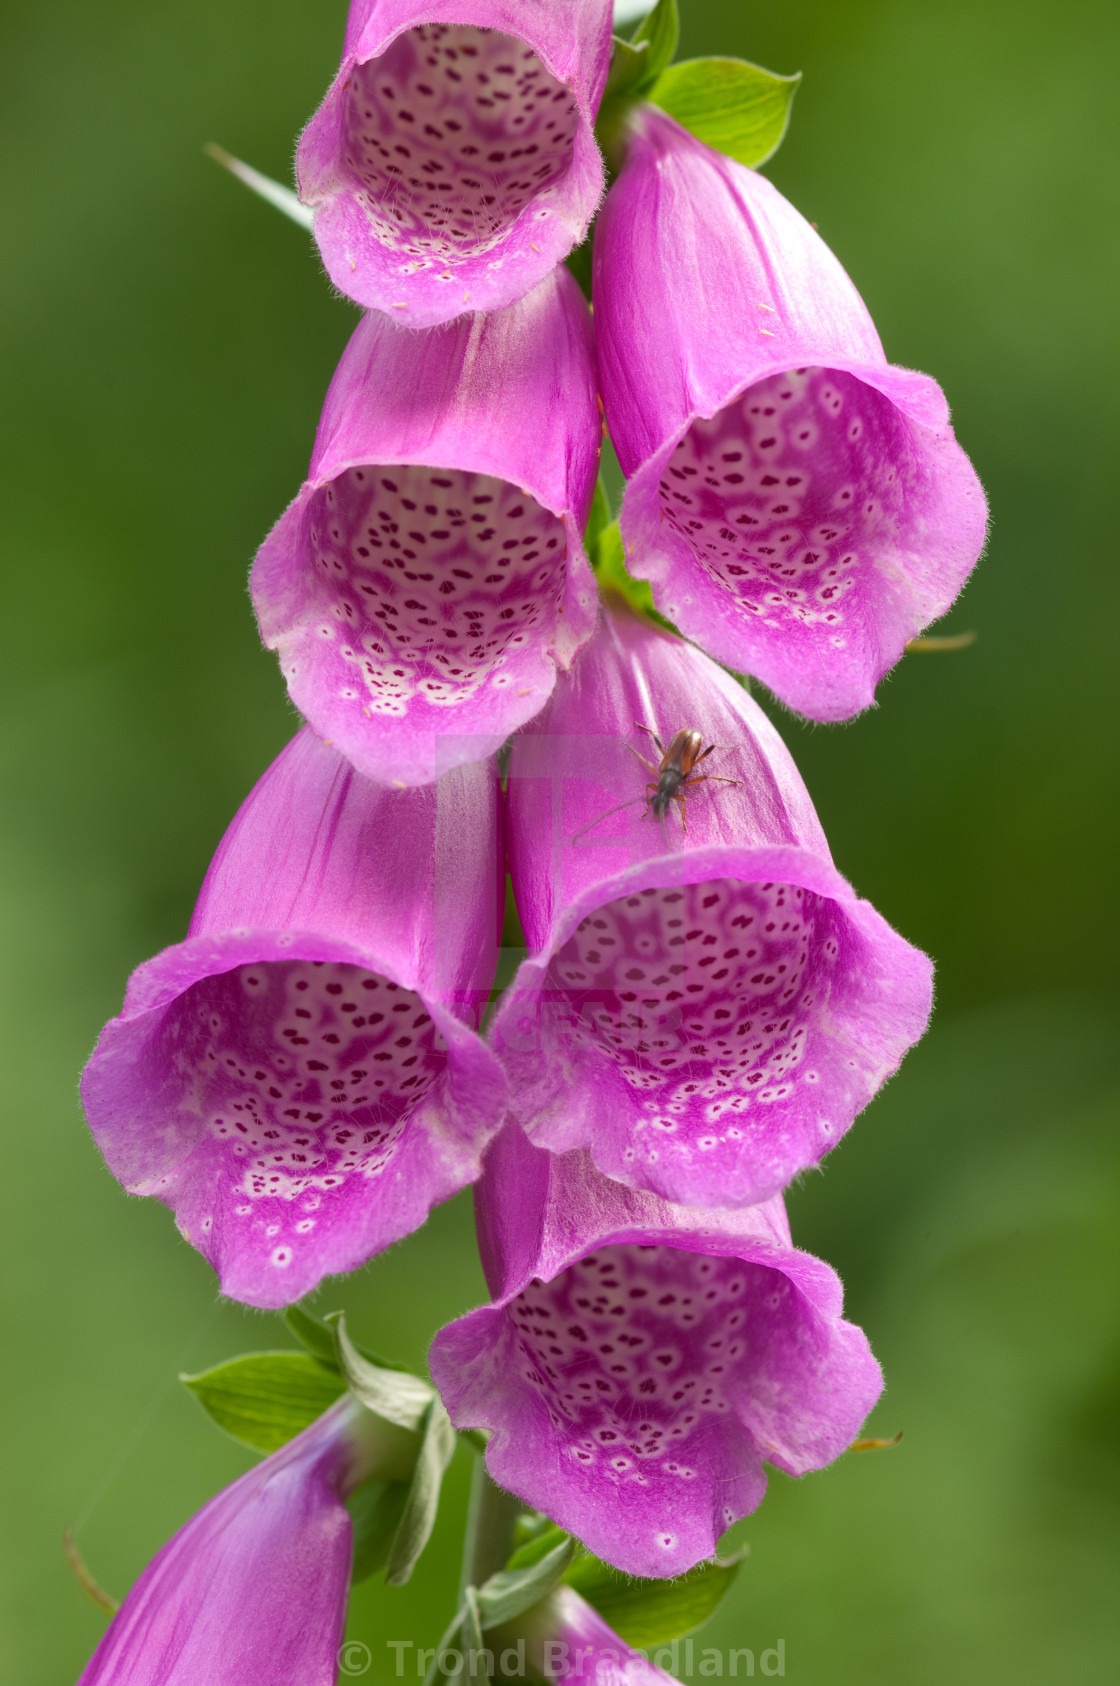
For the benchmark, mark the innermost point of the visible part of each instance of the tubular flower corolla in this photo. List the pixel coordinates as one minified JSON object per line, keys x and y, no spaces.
{"x":430,"y":576}
{"x":705,"y":1011}
{"x":254,"y":1587}
{"x":567,"y":1639}
{"x":301,"y":1079}
{"x":800,"y":506}
{"x":641,"y":1360}
{"x":453,"y":162}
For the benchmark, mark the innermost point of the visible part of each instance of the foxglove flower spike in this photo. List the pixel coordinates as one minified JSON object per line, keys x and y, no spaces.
{"x":706,"y":1011}
{"x":641,"y":1360}
{"x":301,"y":1080}
{"x":430,"y":576}
{"x":453,"y":162}
{"x":800,"y":506}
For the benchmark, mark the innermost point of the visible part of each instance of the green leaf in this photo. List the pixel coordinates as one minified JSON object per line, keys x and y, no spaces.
{"x":266,"y":1398}
{"x":511,"y":1592}
{"x":735,"y":107}
{"x":646,"y":1612}
{"x":419,"y":1514}
{"x":662,"y":29}
{"x":599,"y":519}
{"x":394,"y":1395}
{"x":375,"y":1509}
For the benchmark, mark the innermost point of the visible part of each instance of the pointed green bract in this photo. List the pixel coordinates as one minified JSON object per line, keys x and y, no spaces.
{"x":513,"y":1591}
{"x":394,"y":1395}
{"x":734,"y":107}
{"x":266,"y":1398}
{"x":281,"y":198}
{"x":662,"y":29}
{"x":419,"y":1514}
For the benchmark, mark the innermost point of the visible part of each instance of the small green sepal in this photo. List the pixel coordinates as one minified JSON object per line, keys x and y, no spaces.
{"x":394,"y":1395}
{"x":511,"y":1592}
{"x":418,"y":1517}
{"x":661,"y":28}
{"x":609,"y":562}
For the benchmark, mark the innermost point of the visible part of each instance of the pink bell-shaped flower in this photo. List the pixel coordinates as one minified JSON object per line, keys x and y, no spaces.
{"x":430,"y":577}
{"x":641,"y":1361}
{"x":704,"y":1010}
{"x":800,"y":506}
{"x":453,"y":162}
{"x":302,"y":1078}
{"x":254,"y":1587}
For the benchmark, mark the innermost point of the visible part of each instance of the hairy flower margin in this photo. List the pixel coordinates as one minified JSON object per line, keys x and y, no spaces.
{"x":640,"y":1361}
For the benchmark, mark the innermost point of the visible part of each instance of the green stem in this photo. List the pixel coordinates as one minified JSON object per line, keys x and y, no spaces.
{"x":491,"y":1521}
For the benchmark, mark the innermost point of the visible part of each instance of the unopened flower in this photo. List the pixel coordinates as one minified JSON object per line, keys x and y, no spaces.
{"x":568,"y":1640}
{"x":453,"y":162}
{"x":301,"y":1080}
{"x":430,"y":576}
{"x":254,"y":1587}
{"x":642,"y":1360}
{"x":800,"y":506}
{"x":706,"y":1011}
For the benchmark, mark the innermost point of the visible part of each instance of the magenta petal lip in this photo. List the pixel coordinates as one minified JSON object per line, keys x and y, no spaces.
{"x":301,"y":1080}
{"x":704,"y":1012}
{"x":642,"y":1360}
{"x":253,"y":1587}
{"x":800,"y":506}
{"x":453,"y":162}
{"x":430,"y":577}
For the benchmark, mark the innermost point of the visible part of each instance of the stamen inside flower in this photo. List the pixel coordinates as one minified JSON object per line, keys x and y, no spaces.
{"x":452,"y":136}
{"x":797,"y":498}
{"x":429,"y":583}
{"x":306,"y":1071}
{"x":709,"y":1001}
{"x":638,"y":1351}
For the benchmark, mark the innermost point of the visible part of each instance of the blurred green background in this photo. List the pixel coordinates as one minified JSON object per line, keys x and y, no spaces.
{"x":166,"y":342}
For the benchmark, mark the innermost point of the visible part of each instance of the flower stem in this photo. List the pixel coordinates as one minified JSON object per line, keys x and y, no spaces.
{"x":491,"y":1520}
